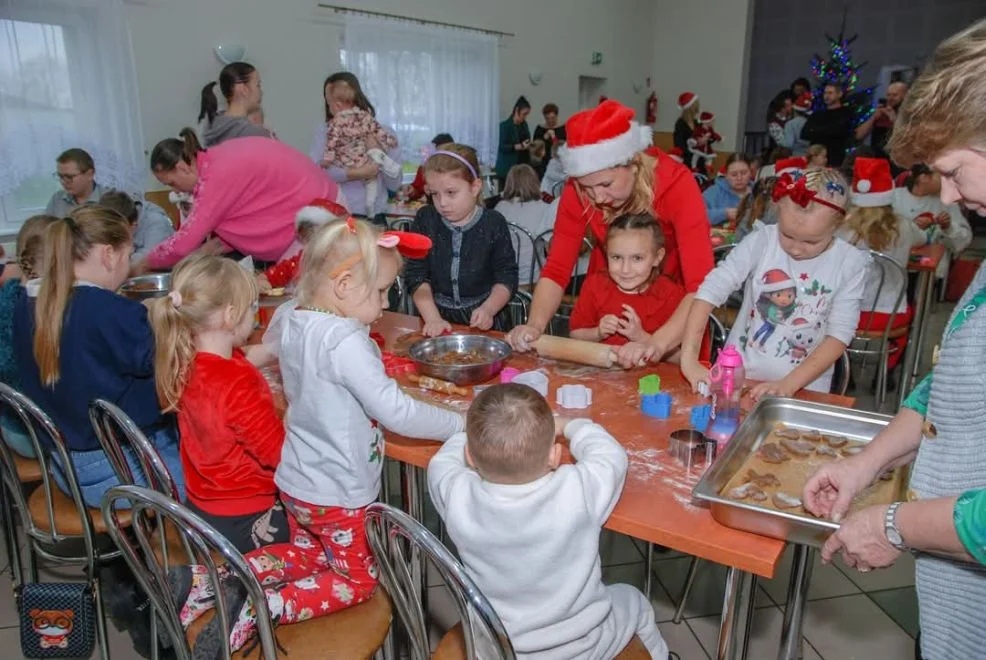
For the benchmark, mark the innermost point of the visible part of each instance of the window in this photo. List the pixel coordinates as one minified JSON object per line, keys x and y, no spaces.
{"x":427,"y":80}
{"x":66,"y":80}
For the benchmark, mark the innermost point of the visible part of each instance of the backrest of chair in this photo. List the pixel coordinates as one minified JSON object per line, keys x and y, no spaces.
{"x":523,"y":243}
{"x":720,"y":252}
{"x":401,"y":224}
{"x":519,"y":307}
{"x":542,"y":244}
{"x":717,"y":337}
{"x":390,"y":531}
{"x":888,"y":271}
{"x":115,"y":430}
{"x":206,"y":544}
{"x":840,"y":375}
{"x":39,"y":426}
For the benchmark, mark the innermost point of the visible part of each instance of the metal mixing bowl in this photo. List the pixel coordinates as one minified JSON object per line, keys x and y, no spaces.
{"x":147,"y":286}
{"x":425,"y":351}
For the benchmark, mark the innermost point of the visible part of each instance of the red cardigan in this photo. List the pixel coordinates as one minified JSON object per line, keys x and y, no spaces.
{"x":679,"y":209}
{"x":231,"y":436}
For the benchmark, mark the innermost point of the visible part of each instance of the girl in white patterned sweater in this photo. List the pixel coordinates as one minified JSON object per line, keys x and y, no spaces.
{"x":802,"y":286}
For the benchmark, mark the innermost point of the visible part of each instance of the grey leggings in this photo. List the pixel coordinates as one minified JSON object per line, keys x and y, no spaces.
{"x":251,"y":531}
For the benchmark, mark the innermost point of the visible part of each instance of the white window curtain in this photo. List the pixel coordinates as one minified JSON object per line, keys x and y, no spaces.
{"x":67,"y":79}
{"x":427,"y":80}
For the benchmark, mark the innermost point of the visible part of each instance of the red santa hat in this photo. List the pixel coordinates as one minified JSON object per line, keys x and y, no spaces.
{"x":706,"y":117}
{"x":320,"y":212}
{"x":803,"y":103}
{"x":872,"y":183}
{"x":601,"y":138}
{"x":686,"y":99}
{"x":775,"y":280}
{"x":677,"y":154}
{"x":790,"y":165}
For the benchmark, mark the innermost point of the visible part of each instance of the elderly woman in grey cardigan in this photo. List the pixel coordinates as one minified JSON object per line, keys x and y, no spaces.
{"x":942,"y":426}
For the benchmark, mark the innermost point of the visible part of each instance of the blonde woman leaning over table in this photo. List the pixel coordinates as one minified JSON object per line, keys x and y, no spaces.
{"x":941,"y":426}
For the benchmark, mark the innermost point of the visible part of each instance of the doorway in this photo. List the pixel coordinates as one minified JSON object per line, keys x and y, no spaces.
{"x":590,"y":89}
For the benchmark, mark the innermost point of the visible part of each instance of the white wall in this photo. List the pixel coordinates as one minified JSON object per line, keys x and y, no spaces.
{"x":703,"y":46}
{"x":295,"y":46}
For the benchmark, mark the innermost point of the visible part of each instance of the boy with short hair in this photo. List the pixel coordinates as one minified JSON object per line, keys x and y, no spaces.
{"x":527,"y":528}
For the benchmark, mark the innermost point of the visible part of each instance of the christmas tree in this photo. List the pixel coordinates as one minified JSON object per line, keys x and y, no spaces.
{"x":840,"y":69}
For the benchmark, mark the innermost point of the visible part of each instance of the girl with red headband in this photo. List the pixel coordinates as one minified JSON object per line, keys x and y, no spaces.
{"x":802,"y":286}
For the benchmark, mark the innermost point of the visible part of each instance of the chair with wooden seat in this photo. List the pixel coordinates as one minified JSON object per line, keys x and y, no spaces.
{"x":875,"y":342}
{"x":56,"y":524}
{"x":398,"y":541}
{"x":28,"y":472}
{"x":355,"y":633}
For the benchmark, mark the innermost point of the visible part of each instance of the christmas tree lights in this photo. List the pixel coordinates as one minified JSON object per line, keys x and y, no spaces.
{"x":840,"y":69}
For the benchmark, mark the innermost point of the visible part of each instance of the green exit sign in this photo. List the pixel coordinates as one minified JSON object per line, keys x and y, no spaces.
{"x":597,"y":58}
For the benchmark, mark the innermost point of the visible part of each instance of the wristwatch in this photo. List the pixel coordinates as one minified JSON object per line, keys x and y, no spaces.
{"x":890,"y":527}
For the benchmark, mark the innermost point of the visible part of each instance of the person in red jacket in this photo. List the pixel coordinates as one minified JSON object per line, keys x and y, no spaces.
{"x":231,"y":434}
{"x":614,"y":171}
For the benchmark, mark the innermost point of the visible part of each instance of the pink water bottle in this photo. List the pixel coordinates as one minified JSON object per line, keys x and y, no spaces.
{"x":726,"y":378}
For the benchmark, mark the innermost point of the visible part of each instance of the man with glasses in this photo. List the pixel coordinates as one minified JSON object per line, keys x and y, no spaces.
{"x":76,"y":172}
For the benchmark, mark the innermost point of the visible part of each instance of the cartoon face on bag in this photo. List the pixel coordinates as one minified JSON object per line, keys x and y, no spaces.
{"x":307,"y":583}
{"x":343,"y":537}
{"x":53,"y":626}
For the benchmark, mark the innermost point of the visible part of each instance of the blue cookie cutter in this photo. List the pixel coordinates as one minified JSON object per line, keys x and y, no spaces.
{"x":656,"y":405}
{"x":700,"y":417}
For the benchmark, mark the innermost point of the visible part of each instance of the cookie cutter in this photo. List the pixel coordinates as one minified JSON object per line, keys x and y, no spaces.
{"x":692,"y":448}
{"x":656,"y":405}
{"x":573,"y":396}
{"x":537,"y":380}
{"x":700,"y":417}
{"x":507,"y":374}
{"x":649,"y":385}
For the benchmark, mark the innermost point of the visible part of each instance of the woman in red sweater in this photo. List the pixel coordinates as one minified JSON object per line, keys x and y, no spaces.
{"x":613,"y":171}
{"x":231,"y":434}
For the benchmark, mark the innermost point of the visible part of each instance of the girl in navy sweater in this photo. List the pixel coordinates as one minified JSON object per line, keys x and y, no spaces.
{"x":76,"y":340}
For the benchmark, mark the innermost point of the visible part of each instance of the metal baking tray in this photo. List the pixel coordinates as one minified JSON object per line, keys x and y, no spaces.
{"x":796,"y":527}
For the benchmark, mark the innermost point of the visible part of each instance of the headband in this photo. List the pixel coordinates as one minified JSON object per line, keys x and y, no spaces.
{"x":408,"y":244}
{"x":800,"y":194}
{"x":459,"y":158}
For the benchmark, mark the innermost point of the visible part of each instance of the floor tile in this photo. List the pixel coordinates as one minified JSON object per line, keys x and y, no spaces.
{"x":896,"y":576}
{"x":765,"y":635}
{"x":8,"y":606}
{"x":705,"y":598}
{"x":682,"y":641}
{"x":854,"y":628}
{"x":616,"y":549}
{"x":826,"y":581}
{"x":901,"y":605}
{"x":633,"y":574}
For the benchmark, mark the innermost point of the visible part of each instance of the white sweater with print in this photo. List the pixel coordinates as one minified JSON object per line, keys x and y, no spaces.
{"x":789,"y":306}
{"x":533,"y":549}
{"x":959,"y":234}
{"x":336,"y":386}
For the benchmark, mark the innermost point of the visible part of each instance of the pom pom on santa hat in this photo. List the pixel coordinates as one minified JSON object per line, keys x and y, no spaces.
{"x":803,"y":103}
{"x":686,"y":99}
{"x":790,"y":165}
{"x":320,"y":212}
{"x":775,"y":280}
{"x":706,"y":117}
{"x":602,"y":137}
{"x":872,"y":183}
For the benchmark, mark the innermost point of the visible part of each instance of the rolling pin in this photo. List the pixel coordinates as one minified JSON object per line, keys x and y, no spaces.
{"x":573,"y":350}
{"x":437,"y":385}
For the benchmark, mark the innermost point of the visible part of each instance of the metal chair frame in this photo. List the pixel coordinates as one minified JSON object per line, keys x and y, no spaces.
{"x":542,"y":245}
{"x":205,"y":543}
{"x":517,"y":236}
{"x":397,"y":541}
{"x":53,"y":455}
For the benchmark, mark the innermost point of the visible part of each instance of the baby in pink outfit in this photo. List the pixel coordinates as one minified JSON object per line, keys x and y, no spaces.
{"x":349,"y":134}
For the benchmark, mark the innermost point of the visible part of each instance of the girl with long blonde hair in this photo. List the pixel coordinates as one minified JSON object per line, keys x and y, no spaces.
{"x":77,"y":340}
{"x":231,"y":434}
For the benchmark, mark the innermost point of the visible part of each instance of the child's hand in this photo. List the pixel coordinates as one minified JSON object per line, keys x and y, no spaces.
{"x":924,"y":220}
{"x":632,"y":354}
{"x":436,"y":328}
{"x":694,"y":373}
{"x":522,"y":337}
{"x":264,"y":285}
{"x":771,"y":388}
{"x":481,"y":319}
{"x":944,"y":220}
{"x":630,"y":326}
{"x":609,"y":325}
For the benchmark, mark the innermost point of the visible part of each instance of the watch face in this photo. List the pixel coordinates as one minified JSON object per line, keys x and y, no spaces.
{"x":894,"y":537}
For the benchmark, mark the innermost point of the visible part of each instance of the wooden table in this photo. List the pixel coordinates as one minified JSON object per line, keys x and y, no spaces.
{"x":924,"y":261}
{"x":656,"y":504}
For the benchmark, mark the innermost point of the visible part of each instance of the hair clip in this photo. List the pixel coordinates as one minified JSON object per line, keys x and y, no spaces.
{"x":799,"y":193}
{"x":351,"y":224}
{"x":835,"y":187}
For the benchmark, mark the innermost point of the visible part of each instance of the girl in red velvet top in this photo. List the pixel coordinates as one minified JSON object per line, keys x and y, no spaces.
{"x":629,"y":302}
{"x":613,"y":171}
{"x":231,"y":434}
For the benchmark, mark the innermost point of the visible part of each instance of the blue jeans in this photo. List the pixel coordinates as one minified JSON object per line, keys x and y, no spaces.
{"x":15,"y":435}
{"x":96,"y":475}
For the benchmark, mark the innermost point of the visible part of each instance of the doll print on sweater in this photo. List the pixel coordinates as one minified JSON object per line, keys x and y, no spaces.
{"x":792,"y":305}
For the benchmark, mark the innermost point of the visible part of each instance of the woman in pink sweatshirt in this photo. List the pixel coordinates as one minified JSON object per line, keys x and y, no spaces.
{"x":245,"y":191}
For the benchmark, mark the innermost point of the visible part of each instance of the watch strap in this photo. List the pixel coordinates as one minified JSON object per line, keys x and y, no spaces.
{"x":894,"y":536}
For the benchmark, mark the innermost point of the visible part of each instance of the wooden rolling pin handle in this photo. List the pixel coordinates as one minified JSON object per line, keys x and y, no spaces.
{"x":574,"y":350}
{"x":437,"y":385}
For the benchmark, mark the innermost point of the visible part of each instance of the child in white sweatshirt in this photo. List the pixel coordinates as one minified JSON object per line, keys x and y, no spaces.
{"x":527,"y":528}
{"x":339,"y":401}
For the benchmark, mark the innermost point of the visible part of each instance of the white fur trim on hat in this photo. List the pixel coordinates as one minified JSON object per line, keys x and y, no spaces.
{"x":589,"y":158}
{"x":313,"y":215}
{"x":869,"y":200}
